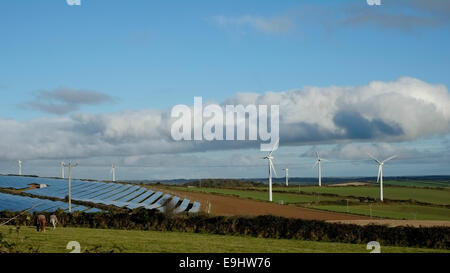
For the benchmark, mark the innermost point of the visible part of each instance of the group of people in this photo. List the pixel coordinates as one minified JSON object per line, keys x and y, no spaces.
{"x":41,"y":222}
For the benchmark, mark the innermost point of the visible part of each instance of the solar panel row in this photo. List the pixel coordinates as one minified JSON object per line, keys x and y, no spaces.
{"x":121,"y":195}
{"x":23,"y":182}
{"x":14,"y":203}
{"x":171,"y":204}
{"x":183,"y":206}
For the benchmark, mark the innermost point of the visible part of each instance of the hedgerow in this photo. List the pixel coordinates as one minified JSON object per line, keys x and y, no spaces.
{"x":260,"y":226}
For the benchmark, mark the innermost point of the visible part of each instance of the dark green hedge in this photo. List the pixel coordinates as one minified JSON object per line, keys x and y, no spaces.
{"x":261,"y":226}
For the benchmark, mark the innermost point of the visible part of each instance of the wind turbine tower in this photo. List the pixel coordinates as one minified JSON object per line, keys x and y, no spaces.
{"x":113,"y":173}
{"x":287,"y":176}
{"x":270,"y":158}
{"x":62,"y":170}
{"x":319,"y":167}
{"x":20,"y":166}
{"x":380,"y":172}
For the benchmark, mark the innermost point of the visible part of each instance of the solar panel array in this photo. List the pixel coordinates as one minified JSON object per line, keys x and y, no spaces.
{"x":120,"y":195}
{"x":13,"y":203}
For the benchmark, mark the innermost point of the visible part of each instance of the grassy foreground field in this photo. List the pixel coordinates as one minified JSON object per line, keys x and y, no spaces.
{"x":109,"y":240}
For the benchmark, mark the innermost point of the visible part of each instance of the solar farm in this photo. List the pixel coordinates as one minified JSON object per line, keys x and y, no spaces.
{"x":95,"y":192}
{"x":206,"y":219}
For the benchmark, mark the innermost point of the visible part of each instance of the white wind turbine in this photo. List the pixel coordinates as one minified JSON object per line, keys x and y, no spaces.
{"x":20,"y":166}
{"x":270,"y":158}
{"x":380,"y":172}
{"x":113,"y":173}
{"x":287,"y":176}
{"x":62,"y":170}
{"x":319,"y":167}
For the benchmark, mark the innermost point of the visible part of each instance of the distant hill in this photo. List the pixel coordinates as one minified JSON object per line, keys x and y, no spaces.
{"x":223,"y":183}
{"x":442,"y":179}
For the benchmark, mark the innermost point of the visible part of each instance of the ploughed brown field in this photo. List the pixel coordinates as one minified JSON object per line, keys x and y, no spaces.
{"x":229,"y":205}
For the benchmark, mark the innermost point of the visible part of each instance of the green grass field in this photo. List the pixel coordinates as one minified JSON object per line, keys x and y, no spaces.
{"x":394,"y":211}
{"x":288,"y":198}
{"x":101,"y":240}
{"x":432,"y":196}
{"x":292,"y":195}
{"x":414,"y":183}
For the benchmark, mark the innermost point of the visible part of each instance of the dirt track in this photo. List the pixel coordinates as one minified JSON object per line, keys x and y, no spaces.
{"x":228,"y":205}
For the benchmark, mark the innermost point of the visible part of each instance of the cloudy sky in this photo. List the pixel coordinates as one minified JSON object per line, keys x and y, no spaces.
{"x":95,"y":84}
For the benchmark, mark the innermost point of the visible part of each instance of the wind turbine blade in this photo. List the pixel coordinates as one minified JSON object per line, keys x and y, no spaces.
{"x":315,"y":164}
{"x":274,"y":146}
{"x":389,"y":158}
{"x":273,"y":168}
{"x":376,"y":160}
{"x":317,"y":155}
{"x":379,"y":173}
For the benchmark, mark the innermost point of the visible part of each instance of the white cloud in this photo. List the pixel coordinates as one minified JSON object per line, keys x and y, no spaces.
{"x":401,"y":110}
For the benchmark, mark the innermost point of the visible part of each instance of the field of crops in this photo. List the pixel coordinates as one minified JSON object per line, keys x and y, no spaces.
{"x":101,"y":240}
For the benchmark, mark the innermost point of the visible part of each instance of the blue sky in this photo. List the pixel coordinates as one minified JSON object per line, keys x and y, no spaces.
{"x":155,"y":54}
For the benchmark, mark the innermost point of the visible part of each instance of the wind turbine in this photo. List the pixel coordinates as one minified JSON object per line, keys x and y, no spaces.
{"x":113,"y":172}
{"x":20,"y":166}
{"x":319,"y":167}
{"x":287,"y":176}
{"x":62,"y":170}
{"x":270,"y":158}
{"x":380,"y":172}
